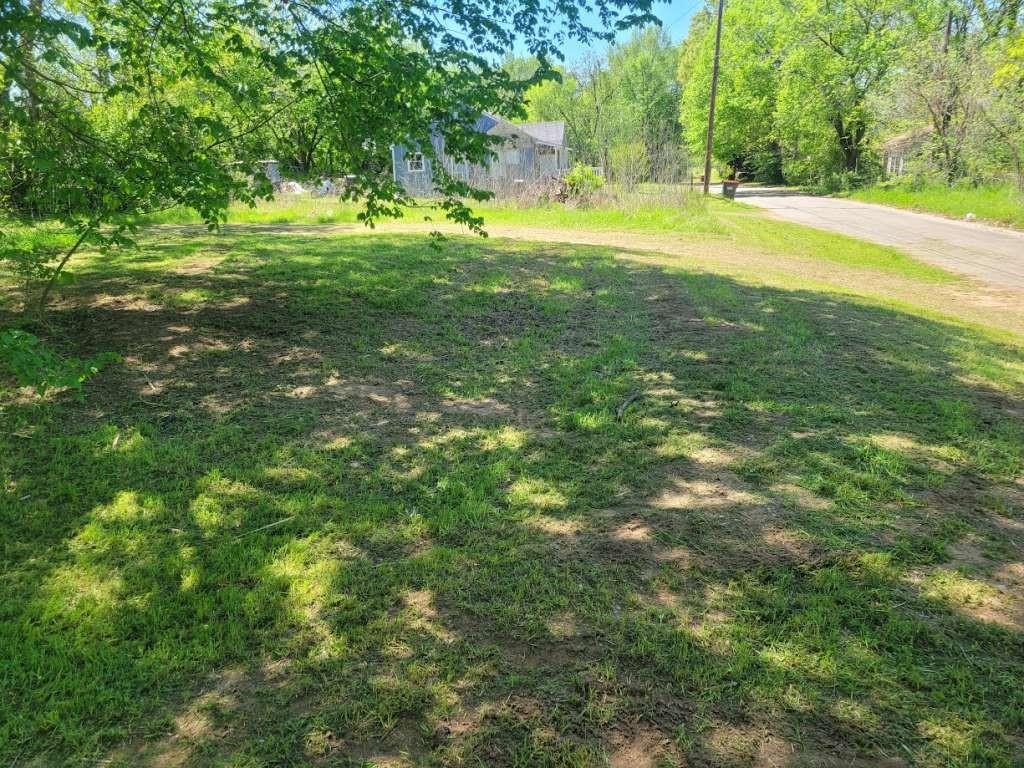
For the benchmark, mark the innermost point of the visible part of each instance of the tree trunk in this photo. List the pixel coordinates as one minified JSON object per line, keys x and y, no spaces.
{"x":850,"y":137}
{"x":60,"y":266}
{"x":28,"y":44}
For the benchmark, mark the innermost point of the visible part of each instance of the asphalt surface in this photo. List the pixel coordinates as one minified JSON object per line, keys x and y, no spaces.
{"x":990,"y":254}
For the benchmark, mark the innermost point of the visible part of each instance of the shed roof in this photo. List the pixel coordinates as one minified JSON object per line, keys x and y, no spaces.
{"x":550,"y":132}
{"x":908,"y":141}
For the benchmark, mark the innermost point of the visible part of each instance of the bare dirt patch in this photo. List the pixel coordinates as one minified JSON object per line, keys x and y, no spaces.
{"x":643,"y":748}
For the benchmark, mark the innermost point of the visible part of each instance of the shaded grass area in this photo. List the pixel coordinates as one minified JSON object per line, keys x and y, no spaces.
{"x":353,"y":501}
{"x":1002,"y":204}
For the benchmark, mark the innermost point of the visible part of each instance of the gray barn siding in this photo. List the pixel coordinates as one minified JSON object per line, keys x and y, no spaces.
{"x":502,"y":172}
{"x":415,"y":182}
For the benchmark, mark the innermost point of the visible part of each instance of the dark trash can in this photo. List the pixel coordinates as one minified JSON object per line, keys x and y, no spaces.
{"x":729,"y":189}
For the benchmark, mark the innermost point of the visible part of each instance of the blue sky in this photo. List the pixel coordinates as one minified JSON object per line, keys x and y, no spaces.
{"x":675,"y":18}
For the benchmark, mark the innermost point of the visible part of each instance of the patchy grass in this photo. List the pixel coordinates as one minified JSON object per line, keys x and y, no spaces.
{"x":683,"y":213}
{"x":1002,"y":204}
{"x":283,"y":209}
{"x":647,"y":208}
{"x":656,"y":211}
{"x":678,"y":214}
{"x":353,"y":501}
{"x":728,"y":225}
{"x":746,"y":227}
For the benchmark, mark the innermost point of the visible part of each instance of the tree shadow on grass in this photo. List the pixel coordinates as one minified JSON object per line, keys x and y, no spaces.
{"x":356,"y":501}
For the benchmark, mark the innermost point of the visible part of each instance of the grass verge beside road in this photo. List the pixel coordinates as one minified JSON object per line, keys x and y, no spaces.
{"x":994,"y":204}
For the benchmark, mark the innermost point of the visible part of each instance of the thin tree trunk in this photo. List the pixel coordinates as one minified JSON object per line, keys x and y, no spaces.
{"x":60,"y":266}
{"x":28,"y":44}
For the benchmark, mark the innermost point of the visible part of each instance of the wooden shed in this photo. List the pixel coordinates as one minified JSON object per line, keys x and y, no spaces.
{"x":529,"y":152}
{"x":899,"y":150}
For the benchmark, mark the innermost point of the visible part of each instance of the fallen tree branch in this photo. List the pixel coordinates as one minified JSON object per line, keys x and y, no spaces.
{"x":57,"y":270}
{"x":625,"y":404}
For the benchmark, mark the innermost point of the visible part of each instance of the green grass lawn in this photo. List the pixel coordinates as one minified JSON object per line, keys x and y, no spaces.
{"x":686,"y":216}
{"x":283,"y":209}
{"x":645,"y":211}
{"x":646,"y":208}
{"x":678,"y":212}
{"x":350,"y":500}
{"x":999,"y":204}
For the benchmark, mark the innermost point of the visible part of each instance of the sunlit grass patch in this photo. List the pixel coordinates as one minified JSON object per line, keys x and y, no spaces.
{"x":535,"y":494}
{"x":749,"y":228}
{"x":283,"y":209}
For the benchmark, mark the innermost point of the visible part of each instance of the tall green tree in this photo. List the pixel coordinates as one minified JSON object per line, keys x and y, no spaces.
{"x":745,"y":134}
{"x":1003,"y":109}
{"x":620,"y":110}
{"x":798,"y":80}
{"x":643,"y":71}
{"x":951,"y":90}
{"x":836,"y":55}
{"x":585,"y":98}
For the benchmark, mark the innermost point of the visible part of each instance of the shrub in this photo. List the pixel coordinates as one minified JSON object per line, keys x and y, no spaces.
{"x":35,"y":365}
{"x":583,"y":181}
{"x":629,"y":163}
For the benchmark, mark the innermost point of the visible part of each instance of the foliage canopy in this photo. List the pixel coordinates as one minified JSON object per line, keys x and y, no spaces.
{"x":111,"y":108}
{"x":808,"y":89}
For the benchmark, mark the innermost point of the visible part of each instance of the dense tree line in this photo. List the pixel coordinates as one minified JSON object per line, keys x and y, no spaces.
{"x":809,"y":89}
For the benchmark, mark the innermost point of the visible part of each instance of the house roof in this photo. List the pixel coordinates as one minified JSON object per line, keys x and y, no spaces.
{"x":550,"y":132}
{"x":910,"y":140}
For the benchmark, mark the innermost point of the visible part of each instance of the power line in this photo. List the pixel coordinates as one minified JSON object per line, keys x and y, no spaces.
{"x":684,"y":15}
{"x":714,"y":94}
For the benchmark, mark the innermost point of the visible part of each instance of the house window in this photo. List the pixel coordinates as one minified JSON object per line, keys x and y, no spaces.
{"x":545,"y":149}
{"x":414,"y":162}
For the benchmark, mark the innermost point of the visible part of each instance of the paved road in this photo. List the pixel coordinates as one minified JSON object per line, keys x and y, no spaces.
{"x":988,"y":253}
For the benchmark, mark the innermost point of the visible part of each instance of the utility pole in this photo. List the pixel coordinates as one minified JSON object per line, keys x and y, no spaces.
{"x":714,"y":94}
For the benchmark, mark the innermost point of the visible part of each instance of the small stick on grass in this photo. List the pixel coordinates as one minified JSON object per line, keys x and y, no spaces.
{"x":625,"y":404}
{"x":264,"y":527}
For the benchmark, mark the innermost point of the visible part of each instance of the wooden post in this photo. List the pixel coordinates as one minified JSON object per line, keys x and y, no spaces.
{"x":711,"y":106}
